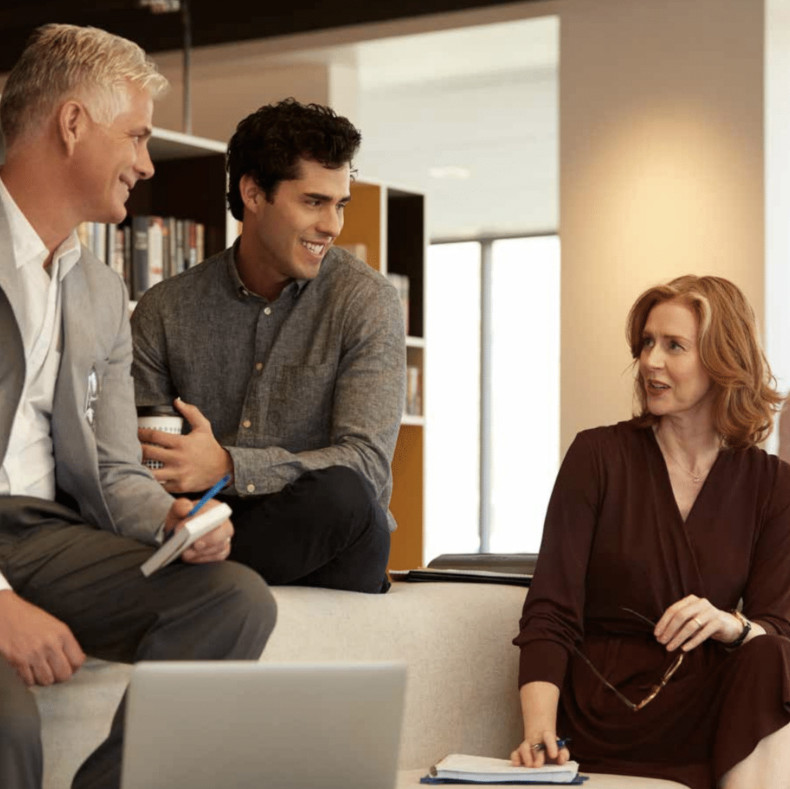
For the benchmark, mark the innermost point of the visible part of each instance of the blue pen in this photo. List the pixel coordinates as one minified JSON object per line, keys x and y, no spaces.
{"x":209,"y":494}
{"x":561,"y":743}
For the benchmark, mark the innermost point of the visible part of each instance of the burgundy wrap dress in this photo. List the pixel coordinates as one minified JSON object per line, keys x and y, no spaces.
{"x":613,"y":539}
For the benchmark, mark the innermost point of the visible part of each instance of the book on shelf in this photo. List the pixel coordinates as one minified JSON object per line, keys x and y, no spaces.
{"x":156,"y":249}
{"x":116,"y":246}
{"x":139,"y":261}
{"x":460,"y":768}
{"x":191,"y":250}
{"x":100,"y":241}
{"x":401,"y":283}
{"x":413,"y":391}
{"x":145,"y":250}
{"x":177,"y":263}
{"x":200,"y":241}
{"x":95,"y":236}
{"x":167,"y":247}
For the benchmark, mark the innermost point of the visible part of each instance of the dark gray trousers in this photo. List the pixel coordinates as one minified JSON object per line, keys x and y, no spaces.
{"x":91,"y":580}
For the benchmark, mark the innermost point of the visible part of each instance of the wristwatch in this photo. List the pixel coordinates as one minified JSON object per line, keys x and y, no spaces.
{"x":747,"y":627}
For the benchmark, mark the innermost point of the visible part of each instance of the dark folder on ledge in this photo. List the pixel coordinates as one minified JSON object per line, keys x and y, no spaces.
{"x":520,"y":563}
{"x":488,"y":568}
{"x":462,"y":576}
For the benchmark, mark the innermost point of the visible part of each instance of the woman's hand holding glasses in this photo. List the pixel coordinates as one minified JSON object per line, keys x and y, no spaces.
{"x":692,"y":620}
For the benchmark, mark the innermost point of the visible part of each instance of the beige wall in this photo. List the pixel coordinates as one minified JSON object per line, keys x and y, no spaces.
{"x":222,"y":96}
{"x":661,"y":159}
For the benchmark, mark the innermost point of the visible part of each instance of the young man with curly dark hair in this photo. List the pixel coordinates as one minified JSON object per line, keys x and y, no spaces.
{"x":287,"y":358}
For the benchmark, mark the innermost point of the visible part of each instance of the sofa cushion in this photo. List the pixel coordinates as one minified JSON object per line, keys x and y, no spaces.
{"x":76,"y":716}
{"x":461,"y":692}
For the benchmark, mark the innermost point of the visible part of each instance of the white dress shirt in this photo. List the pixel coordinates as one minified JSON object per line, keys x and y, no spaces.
{"x":28,"y":468}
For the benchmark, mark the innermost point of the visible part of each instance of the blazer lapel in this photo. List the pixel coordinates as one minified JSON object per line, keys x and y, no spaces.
{"x":71,"y":389}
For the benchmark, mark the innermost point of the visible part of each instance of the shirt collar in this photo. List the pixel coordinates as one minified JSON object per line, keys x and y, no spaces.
{"x":296,"y":286}
{"x":27,"y":244}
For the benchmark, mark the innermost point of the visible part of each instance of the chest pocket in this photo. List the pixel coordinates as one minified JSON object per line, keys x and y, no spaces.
{"x":300,"y":409}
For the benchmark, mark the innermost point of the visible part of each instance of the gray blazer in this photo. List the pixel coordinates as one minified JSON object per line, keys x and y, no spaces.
{"x":98,"y":464}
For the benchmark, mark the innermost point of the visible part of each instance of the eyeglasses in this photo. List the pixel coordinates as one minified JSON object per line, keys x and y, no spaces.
{"x":655,"y":690}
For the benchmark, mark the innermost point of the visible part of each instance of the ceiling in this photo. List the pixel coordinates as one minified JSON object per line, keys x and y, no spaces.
{"x":477,"y":135}
{"x":213,"y":22}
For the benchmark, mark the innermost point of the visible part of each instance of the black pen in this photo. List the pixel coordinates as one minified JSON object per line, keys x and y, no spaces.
{"x":561,"y":743}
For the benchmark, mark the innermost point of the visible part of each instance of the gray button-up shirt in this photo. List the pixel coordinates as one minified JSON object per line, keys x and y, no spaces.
{"x":313,"y":379}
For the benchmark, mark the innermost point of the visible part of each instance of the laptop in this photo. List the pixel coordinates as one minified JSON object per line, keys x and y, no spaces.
{"x":250,"y":725}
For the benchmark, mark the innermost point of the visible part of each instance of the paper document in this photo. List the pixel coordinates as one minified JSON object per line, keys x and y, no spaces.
{"x":484,"y":769}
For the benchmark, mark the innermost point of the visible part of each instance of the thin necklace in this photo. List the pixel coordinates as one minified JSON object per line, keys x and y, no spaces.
{"x":697,"y":478}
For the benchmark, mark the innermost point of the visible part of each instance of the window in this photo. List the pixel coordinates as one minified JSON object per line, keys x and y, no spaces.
{"x":492,"y":393}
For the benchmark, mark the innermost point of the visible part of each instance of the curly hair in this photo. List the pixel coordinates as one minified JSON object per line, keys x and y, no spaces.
{"x":61,"y":61}
{"x":269,"y":143}
{"x":745,"y":397}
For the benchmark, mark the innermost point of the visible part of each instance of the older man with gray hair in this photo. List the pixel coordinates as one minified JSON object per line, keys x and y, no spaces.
{"x":79,"y":513}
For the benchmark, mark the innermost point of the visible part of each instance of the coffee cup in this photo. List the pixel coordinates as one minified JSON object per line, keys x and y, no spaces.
{"x":159,"y":417}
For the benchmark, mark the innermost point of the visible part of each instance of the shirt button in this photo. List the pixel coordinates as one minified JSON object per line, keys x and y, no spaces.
{"x":250,"y":488}
{"x":267,"y":311}
{"x":246,"y":423}
{"x":259,"y":366}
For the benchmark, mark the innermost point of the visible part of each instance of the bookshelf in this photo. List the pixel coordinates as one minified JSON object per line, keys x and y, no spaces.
{"x":387,"y":223}
{"x":189,"y":183}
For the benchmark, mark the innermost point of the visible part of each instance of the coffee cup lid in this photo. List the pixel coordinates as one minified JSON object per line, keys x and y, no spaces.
{"x":164,"y":409}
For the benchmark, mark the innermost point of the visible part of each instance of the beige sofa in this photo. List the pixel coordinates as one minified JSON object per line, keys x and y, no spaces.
{"x":461,"y":690}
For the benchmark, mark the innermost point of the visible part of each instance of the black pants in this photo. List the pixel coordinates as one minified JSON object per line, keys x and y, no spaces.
{"x":91,"y":580}
{"x":324,"y":529}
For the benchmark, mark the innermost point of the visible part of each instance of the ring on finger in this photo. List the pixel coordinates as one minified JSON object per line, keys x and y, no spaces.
{"x":699,"y":624}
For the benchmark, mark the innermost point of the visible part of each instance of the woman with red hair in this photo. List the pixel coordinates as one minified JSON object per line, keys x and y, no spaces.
{"x":654,"y":635}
